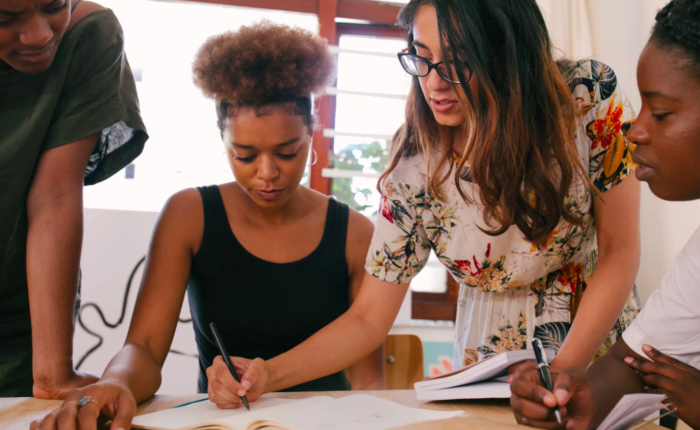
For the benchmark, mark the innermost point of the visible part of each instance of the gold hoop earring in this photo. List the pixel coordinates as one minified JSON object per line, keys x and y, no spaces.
{"x":313,"y":157}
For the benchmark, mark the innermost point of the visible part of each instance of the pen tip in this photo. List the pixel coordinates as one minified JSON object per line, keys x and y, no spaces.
{"x":558,"y":415}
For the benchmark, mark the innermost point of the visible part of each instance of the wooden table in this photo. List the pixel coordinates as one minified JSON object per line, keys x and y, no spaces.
{"x":18,"y":413}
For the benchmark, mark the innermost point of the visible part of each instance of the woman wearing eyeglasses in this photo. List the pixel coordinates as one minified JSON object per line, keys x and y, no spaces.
{"x":513,"y":169}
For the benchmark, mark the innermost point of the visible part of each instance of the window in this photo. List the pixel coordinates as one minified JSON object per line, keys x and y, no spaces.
{"x":370,"y":100}
{"x":184,"y":149}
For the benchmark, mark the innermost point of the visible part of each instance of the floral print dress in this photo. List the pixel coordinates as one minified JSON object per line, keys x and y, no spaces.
{"x":511,"y":291}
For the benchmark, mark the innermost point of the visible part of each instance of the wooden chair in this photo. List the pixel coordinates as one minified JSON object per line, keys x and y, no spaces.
{"x":404,"y":361}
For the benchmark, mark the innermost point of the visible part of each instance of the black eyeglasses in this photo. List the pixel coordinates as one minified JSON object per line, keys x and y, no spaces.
{"x":416,"y":65}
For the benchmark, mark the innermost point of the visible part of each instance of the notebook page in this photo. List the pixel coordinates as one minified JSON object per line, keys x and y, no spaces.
{"x":198,"y":414}
{"x":361,"y":412}
{"x":304,"y":406}
{"x":630,"y":409}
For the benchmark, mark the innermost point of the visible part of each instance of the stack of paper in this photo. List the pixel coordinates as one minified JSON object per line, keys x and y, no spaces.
{"x":482,"y":380}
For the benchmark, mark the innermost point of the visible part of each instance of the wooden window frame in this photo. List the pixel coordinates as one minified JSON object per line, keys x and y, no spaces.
{"x":380,"y":22}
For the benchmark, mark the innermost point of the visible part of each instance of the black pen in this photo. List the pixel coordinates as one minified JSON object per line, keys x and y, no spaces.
{"x":544,"y":371}
{"x":227,"y":360}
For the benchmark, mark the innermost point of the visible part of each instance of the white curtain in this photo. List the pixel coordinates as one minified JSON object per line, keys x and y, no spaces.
{"x":569,"y":26}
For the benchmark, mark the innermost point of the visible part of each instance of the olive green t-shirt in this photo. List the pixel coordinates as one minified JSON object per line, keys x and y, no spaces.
{"x":89,"y":88}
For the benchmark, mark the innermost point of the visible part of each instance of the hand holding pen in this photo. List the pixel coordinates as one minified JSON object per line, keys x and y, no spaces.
{"x":543,"y":367}
{"x":536,"y":405}
{"x":224,"y":355}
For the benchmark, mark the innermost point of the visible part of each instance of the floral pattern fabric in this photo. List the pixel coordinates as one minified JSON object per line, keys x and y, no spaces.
{"x":511,"y":290}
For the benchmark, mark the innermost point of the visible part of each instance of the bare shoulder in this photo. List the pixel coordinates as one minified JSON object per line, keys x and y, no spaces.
{"x":359,"y":227}
{"x":358,"y":239}
{"x":183,"y":217}
{"x":83,"y":9}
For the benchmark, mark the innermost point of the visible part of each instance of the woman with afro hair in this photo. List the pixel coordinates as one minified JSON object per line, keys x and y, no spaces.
{"x":269,"y":261}
{"x":660,"y":352}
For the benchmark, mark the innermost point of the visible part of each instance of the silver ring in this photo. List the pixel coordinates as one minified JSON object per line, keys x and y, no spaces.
{"x":85,"y":400}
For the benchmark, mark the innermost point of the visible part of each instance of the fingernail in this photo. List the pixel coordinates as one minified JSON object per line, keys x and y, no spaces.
{"x":246,"y":384}
{"x":560,"y":394}
{"x":629,"y":360}
{"x":241,"y":393}
{"x":647,"y":348}
{"x":510,"y":378}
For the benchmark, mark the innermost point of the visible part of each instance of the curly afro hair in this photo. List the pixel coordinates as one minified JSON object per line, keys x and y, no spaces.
{"x":678,"y":26}
{"x":264,"y":64}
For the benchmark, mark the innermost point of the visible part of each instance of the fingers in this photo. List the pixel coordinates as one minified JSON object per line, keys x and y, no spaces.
{"x":48,"y":423}
{"x":223,"y":382}
{"x":658,"y":381}
{"x":549,"y":425}
{"x":67,"y":416}
{"x":658,"y":356}
{"x":88,"y":414}
{"x":653,"y":367}
{"x":516,"y":369}
{"x":220,"y":394}
{"x":567,"y":383}
{"x":253,"y":373}
{"x":60,"y":418}
{"x":532,"y":410}
{"x":654,"y":390}
{"x":126,"y":409}
{"x":531,"y":389}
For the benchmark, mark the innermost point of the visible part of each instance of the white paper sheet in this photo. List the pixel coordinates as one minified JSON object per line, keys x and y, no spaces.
{"x":481,"y":390}
{"x":360,"y":412}
{"x":630,"y":409}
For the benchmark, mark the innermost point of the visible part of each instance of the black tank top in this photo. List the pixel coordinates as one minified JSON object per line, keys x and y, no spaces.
{"x":264,"y":309}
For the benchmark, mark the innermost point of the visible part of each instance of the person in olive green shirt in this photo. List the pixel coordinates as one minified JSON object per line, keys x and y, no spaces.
{"x":69,"y":116}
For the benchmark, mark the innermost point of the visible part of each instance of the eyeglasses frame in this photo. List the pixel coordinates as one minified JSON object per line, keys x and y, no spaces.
{"x":431,"y":66}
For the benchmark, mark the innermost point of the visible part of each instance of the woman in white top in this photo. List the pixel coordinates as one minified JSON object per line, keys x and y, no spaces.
{"x":660,"y":352}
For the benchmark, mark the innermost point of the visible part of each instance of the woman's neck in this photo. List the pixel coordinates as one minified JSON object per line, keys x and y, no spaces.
{"x":459,"y":139}
{"x":296,"y":207}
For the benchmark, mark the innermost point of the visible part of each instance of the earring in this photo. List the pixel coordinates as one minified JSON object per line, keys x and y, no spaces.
{"x":314,"y":157}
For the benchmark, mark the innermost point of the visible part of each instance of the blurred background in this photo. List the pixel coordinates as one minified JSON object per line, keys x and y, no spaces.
{"x":356,"y":121}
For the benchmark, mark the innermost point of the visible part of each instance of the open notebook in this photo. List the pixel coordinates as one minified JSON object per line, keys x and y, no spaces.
{"x":481,"y":380}
{"x":359,"y":411}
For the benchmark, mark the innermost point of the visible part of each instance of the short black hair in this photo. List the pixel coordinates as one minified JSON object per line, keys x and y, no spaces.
{"x":678,"y":26}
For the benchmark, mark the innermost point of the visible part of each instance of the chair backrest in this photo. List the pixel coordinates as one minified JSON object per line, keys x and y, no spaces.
{"x":404,"y":361}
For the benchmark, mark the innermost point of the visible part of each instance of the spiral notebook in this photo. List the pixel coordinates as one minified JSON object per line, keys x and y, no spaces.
{"x":359,"y":411}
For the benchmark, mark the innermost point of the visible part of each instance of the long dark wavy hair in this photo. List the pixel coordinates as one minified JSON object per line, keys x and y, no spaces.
{"x":519,"y":123}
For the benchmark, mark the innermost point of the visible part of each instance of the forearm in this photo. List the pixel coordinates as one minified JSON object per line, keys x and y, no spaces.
{"x":368,"y":373}
{"x":602,"y":302}
{"x":337,"y":346}
{"x":53,"y":258}
{"x":136,"y":368}
{"x":611,"y":378}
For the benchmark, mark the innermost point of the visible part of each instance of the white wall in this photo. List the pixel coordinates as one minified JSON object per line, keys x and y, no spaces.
{"x":113,"y":244}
